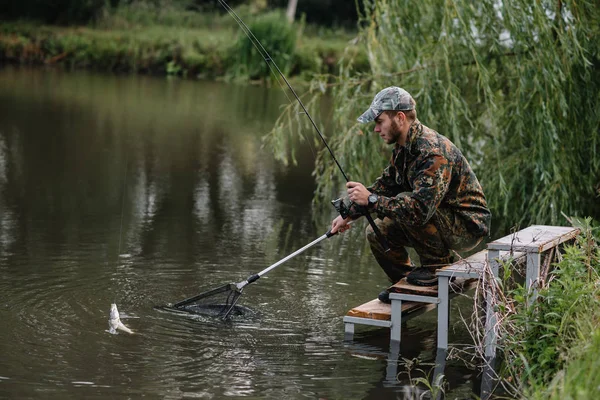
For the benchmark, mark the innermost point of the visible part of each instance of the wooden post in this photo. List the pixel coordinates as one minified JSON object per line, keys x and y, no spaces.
{"x":532,"y":278}
{"x":490,"y":299}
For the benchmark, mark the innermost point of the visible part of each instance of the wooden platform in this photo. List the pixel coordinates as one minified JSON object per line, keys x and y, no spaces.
{"x":526,"y":246}
{"x":475,"y":262}
{"x":461,"y":271}
{"x":535,"y":239}
{"x":376,"y":309}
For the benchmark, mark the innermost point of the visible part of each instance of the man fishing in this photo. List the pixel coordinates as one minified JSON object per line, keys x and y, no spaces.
{"x":427,"y":198}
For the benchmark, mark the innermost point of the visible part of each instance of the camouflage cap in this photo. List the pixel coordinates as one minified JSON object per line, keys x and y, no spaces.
{"x":389,"y":99}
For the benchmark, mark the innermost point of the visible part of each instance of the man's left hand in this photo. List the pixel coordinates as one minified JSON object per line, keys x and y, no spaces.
{"x":358,"y":193}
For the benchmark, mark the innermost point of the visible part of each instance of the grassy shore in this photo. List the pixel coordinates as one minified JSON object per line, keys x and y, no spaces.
{"x":550,"y":349}
{"x":172,"y":43}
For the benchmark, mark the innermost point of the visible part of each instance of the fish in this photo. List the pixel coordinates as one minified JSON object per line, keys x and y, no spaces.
{"x":114,"y":321}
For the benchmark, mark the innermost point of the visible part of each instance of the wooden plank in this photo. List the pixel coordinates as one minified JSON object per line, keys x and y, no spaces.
{"x":375,"y":309}
{"x":476,"y":260}
{"x":403,"y":286}
{"x":534,"y":239}
{"x":473,"y":262}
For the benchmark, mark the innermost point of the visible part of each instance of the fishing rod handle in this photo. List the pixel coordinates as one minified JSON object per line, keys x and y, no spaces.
{"x":382,"y":240}
{"x":328,"y":234}
{"x":343,"y":210}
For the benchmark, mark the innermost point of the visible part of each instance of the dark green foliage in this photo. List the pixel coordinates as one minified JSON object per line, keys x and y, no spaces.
{"x":161,"y":13}
{"x":192,"y":38}
{"x":580,"y":379}
{"x":276,"y":35}
{"x":155,"y":49}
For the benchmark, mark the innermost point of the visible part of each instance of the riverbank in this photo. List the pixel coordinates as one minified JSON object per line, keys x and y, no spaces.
{"x":186,"y":51}
{"x":550,"y":350}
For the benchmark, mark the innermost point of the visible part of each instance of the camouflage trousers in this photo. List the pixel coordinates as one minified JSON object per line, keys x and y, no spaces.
{"x":433,"y":242}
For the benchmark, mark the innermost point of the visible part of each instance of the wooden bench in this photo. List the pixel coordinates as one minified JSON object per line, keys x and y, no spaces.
{"x":470,"y":270}
{"x":533,"y":241}
{"x":408,"y":300}
{"x":452,"y":280}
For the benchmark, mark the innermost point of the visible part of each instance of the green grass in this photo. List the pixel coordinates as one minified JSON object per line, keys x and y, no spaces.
{"x":173,"y":42}
{"x":580,"y":378}
{"x":550,"y":350}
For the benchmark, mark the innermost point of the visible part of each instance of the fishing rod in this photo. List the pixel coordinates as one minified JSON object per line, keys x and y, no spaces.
{"x":272,"y":65}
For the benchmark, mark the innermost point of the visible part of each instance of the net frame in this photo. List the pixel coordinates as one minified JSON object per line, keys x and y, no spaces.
{"x":220,"y":300}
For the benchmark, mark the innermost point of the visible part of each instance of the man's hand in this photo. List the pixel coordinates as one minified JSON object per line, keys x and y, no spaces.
{"x":358,"y":193}
{"x":340,"y":224}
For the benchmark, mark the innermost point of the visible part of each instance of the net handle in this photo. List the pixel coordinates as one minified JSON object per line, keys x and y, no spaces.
{"x":238,"y":287}
{"x":255,"y":277}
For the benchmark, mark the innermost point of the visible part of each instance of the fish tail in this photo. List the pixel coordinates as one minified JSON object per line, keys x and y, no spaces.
{"x":122,"y":327}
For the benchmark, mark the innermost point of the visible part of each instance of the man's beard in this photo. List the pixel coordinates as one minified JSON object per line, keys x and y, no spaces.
{"x":394,"y":132}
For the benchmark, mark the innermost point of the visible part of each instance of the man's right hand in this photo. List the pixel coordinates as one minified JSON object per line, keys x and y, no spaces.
{"x":340,"y":224}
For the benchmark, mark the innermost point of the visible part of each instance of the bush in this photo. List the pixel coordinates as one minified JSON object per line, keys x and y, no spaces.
{"x":277,"y":37}
{"x":206,"y":53}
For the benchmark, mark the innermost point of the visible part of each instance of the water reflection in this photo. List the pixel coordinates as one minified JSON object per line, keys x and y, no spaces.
{"x":7,"y":223}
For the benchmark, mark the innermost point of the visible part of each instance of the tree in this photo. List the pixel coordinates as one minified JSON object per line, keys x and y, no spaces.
{"x":515,"y":84}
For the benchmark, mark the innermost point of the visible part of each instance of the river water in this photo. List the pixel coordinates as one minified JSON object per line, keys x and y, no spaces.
{"x":143,"y":191}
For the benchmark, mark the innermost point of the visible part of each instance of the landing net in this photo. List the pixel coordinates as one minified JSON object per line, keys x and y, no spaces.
{"x":219,"y":302}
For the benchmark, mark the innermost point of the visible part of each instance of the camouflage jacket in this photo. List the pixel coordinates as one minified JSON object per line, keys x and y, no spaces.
{"x":427,"y":173}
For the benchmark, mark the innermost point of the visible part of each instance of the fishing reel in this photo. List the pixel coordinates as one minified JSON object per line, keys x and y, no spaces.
{"x":344,"y":211}
{"x":341,"y":207}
